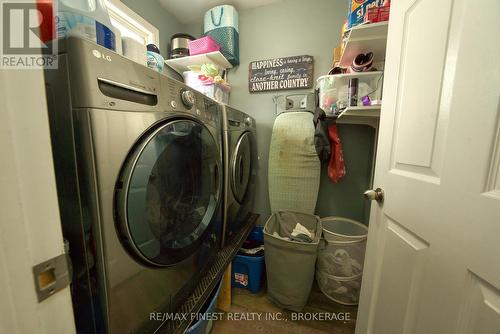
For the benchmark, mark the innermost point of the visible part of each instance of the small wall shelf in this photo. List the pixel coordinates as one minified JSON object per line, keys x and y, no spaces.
{"x":345,"y":77}
{"x":331,"y":87}
{"x":366,"y":38}
{"x":368,"y":115}
{"x":181,"y":64}
{"x":365,"y":111}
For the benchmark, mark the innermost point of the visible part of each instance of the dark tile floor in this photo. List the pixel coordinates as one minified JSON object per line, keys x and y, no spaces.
{"x":244,"y":302}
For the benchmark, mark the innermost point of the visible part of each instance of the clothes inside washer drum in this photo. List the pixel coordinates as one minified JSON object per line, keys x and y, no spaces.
{"x":294,"y":166}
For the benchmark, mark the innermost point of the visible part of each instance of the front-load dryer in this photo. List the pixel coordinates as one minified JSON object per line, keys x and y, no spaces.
{"x":240,"y":169}
{"x":138,"y":165}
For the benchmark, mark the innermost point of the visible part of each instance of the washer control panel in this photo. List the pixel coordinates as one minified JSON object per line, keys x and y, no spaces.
{"x":181,"y":98}
{"x":239,"y":120}
{"x":248,"y":121}
{"x":188,"y":98}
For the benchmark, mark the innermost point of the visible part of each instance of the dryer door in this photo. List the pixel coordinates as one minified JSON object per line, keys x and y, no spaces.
{"x":168,"y":192}
{"x":241,"y":166}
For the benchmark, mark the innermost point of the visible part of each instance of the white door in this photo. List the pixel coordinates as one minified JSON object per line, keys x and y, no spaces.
{"x":433,"y":254}
{"x":30,"y":230}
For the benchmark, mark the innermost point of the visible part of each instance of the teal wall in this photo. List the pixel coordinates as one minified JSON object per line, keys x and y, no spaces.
{"x":194,"y":29}
{"x":297,"y":27}
{"x":345,"y":198}
{"x":154,"y":13}
{"x":288,"y":28}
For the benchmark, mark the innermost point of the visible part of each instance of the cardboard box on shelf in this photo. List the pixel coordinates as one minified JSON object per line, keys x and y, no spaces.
{"x":337,"y":54}
{"x":383,"y":13}
{"x":372,"y":15}
{"x":358,"y":9}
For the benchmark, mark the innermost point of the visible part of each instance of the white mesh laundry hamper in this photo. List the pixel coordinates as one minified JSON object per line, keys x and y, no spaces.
{"x":340,"y":289}
{"x":343,"y":229}
{"x":341,"y":254}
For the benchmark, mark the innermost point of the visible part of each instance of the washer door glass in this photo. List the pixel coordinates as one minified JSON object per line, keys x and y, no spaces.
{"x":171,"y":192}
{"x":241,"y":166}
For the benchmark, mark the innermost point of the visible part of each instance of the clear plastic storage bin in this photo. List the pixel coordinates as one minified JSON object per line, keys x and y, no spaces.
{"x":215,"y":91}
{"x":333,"y":89}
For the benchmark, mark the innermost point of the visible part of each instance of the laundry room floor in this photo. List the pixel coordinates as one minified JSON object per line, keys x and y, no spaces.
{"x":243,"y":301}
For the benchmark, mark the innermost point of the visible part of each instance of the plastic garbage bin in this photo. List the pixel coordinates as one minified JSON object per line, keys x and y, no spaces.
{"x":247,"y":272}
{"x":248,"y":267}
{"x":290,"y":264}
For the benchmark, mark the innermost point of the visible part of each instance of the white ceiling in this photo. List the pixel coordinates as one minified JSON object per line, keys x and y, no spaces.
{"x":190,"y":11}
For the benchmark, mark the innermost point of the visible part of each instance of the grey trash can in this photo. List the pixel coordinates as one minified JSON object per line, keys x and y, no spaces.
{"x":290,"y":265}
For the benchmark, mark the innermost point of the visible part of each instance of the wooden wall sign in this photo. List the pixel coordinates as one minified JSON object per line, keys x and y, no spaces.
{"x":281,"y":74}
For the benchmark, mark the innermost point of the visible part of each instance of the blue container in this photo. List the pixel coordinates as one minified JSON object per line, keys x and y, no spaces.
{"x":358,"y":9}
{"x":257,"y":234}
{"x":219,"y":17}
{"x":229,"y":40}
{"x":203,"y":325}
{"x":221,"y":23}
{"x":247,"y":271}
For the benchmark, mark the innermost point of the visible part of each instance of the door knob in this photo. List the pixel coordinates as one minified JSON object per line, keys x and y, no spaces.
{"x":377,"y":195}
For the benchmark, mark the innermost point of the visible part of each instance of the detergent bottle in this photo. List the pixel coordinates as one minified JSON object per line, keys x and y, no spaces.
{"x":85,"y":18}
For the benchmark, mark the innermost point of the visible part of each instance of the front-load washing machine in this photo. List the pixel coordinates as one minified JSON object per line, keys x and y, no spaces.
{"x":240,"y":168}
{"x":138,"y":165}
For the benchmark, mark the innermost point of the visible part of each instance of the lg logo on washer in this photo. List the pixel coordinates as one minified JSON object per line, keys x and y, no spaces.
{"x":99,"y":54}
